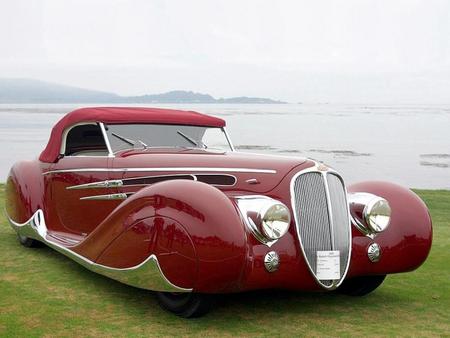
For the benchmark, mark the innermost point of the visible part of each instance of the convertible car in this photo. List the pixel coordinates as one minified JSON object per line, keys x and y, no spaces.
{"x":158,"y":199}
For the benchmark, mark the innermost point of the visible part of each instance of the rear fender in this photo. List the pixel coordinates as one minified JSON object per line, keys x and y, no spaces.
{"x":25,"y":191}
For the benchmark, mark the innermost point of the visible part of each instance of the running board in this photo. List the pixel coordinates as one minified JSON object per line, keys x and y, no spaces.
{"x":146,"y":275}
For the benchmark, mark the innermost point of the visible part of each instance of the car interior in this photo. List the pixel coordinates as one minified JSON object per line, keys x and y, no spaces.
{"x":85,"y":140}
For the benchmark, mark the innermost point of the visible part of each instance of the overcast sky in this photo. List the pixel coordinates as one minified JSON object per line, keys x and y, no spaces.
{"x":344,"y":51}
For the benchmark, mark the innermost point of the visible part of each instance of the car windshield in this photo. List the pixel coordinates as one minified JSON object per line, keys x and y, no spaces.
{"x":142,"y":136}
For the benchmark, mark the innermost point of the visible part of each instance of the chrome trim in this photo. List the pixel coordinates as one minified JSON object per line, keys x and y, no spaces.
{"x":271,"y":261}
{"x":246,"y":204}
{"x":368,"y":210}
{"x":107,"y":197}
{"x":228,"y":139}
{"x":64,"y":239}
{"x":330,"y":210}
{"x":99,"y":184}
{"x":362,"y":201}
{"x":267,"y":229}
{"x":105,"y":136}
{"x":194,"y":178}
{"x":146,"y":275}
{"x":174,"y":169}
{"x":119,"y":183}
{"x":323,"y":170}
{"x":374,"y":252}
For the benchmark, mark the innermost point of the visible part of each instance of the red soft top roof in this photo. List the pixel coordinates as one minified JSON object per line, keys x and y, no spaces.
{"x":117,"y":115}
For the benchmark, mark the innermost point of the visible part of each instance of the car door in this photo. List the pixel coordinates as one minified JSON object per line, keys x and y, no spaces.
{"x":80,"y":200}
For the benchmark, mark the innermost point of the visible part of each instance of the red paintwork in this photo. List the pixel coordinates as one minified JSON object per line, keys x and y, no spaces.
{"x":406,"y":243}
{"x":115,"y":115}
{"x":195,"y":229}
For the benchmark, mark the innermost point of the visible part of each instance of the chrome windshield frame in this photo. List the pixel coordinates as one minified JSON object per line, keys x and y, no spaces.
{"x":228,"y":139}
{"x":105,"y":136}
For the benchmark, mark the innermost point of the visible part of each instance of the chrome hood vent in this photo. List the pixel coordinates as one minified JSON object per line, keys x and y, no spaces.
{"x":321,"y":211}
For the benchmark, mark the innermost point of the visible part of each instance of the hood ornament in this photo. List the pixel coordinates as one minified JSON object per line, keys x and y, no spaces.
{"x":322,"y":167}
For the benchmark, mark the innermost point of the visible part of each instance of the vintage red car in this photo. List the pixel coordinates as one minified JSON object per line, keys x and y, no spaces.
{"x":158,"y":199}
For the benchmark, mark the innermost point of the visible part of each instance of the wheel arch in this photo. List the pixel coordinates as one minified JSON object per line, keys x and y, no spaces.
{"x":406,"y":243}
{"x":25,"y":190}
{"x":180,"y":222}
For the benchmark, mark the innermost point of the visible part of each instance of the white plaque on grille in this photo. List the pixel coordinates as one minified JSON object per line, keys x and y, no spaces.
{"x":328,"y":265}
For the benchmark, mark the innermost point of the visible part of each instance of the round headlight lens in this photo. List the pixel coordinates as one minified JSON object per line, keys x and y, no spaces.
{"x":275,"y":221}
{"x":378,"y":215}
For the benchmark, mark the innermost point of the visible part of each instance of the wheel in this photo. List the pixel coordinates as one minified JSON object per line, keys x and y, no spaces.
{"x":28,"y":242}
{"x":187,"y":305}
{"x":361,"y":286}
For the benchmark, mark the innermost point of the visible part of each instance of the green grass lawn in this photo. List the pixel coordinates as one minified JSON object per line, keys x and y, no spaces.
{"x":43,"y":293}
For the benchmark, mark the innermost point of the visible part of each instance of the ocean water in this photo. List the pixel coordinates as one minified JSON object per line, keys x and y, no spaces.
{"x":405,"y":144}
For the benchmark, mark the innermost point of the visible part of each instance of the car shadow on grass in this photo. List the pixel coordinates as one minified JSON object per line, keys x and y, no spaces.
{"x":246,"y":304}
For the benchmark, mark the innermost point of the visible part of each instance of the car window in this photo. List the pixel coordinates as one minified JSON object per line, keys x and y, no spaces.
{"x":215,"y":138}
{"x":132,"y":136}
{"x":85,"y":140}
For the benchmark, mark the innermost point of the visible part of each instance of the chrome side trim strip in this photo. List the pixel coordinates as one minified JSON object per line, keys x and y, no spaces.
{"x":64,"y":239}
{"x":100,"y":184}
{"x":146,"y":275}
{"x":123,"y":182}
{"x":107,"y":197}
{"x":170,"y":169}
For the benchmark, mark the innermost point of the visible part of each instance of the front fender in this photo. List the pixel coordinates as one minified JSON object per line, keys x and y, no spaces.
{"x":405,"y":244}
{"x":193,"y":229}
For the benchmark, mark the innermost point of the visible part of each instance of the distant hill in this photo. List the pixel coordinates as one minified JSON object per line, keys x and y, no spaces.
{"x":36,"y":91}
{"x":175,"y":96}
{"x":245,"y":99}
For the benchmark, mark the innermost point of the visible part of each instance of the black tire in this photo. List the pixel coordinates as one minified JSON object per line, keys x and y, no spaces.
{"x":361,"y":286}
{"x":187,"y":305}
{"x":29,"y":242}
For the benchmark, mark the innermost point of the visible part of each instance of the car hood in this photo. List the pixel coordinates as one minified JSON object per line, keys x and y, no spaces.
{"x":254,"y":172}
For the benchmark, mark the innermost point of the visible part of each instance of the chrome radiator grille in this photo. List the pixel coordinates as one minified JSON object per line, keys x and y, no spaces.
{"x":320,"y":208}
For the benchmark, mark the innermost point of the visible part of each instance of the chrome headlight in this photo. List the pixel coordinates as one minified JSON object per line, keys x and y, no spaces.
{"x":275,"y":221}
{"x":267,"y":218}
{"x":371,"y":214}
{"x":377,"y":214}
